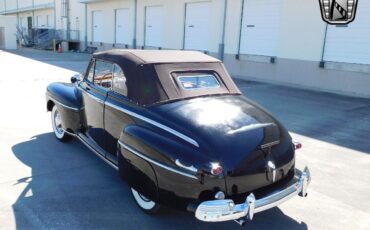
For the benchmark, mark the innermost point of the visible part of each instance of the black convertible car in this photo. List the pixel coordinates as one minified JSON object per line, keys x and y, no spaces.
{"x":180,"y":133}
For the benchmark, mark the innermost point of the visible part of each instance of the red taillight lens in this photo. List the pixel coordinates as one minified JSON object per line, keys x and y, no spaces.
{"x":216,"y":169}
{"x":297,"y":145}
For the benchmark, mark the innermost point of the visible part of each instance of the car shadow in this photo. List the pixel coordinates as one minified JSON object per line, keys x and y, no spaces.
{"x":70,"y":188}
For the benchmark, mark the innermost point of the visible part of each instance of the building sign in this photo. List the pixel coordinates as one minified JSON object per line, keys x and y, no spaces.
{"x":338,"y":12}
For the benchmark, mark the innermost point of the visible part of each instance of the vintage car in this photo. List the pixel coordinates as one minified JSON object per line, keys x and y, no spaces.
{"x":180,"y":133}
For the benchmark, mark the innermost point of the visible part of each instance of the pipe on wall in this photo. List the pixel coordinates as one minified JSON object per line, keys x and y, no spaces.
{"x":85,"y":25}
{"x":322,"y":62}
{"x":134,"y":40}
{"x":240,"y":30}
{"x":221,"y":48}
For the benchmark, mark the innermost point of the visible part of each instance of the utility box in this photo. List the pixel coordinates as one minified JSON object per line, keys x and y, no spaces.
{"x":8,"y":31}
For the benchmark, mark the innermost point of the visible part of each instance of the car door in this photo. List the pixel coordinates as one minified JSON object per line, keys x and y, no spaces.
{"x":95,"y":87}
{"x":115,"y":118}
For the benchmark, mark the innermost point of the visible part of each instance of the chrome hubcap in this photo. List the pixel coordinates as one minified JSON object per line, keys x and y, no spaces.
{"x":57,"y":123}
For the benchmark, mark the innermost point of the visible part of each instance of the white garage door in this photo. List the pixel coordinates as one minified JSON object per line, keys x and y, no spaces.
{"x":122,"y":26}
{"x":97,"y":28}
{"x":198,"y":26}
{"x":350,"y":43}
{"x":260,"y":27}
{"x":154,"y":26}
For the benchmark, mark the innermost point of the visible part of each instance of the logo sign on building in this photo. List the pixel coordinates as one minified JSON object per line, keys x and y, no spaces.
{"x":338,"y":12}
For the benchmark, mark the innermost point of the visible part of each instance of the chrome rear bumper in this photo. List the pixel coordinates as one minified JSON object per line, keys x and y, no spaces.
{"x":225,"y":210}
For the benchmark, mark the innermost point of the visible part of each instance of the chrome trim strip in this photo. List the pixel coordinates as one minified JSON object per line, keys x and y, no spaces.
{"x":190,"y":168}
{"x":267,"y":145}
{"x":163,"y":127}
{"x":97,"y":153}
{"x":70,"y":133}
{"x":155,"y":162}
{"x":250,"y":127}
{"x":60,"y":103}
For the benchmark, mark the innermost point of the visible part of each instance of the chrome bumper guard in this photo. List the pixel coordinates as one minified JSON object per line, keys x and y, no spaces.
{"x":225,"y":210}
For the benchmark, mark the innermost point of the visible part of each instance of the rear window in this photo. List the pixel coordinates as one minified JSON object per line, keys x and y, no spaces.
{"x":202,"y":81}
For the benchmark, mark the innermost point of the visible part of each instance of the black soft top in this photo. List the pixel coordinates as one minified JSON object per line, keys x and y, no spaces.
{"x":150,"y":73}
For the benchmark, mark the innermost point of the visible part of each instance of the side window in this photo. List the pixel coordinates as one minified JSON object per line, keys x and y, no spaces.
{"x":119,"y":81}
{"x":103,"y":74}
{"x":90,"y":75}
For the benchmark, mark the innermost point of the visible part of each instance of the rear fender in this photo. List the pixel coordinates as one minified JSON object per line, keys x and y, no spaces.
{"x":171,"y":188}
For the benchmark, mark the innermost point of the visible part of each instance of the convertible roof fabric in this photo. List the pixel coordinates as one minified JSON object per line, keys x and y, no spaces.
{"x":155,"y":56}
{"x":151,"y":74}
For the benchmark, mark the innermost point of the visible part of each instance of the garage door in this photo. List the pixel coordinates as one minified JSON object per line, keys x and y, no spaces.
{"x":350,"y":43}
{"x":97,"y":28}
{"x":122,"y":26}
{"x":197,"y":26}
{"x":154,"y":26}
{"x":260,"y":27}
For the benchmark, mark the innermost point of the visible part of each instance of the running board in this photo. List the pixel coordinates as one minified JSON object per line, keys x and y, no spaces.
{"x":96,"y":149}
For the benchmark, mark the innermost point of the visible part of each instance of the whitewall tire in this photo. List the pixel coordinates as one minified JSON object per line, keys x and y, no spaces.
{"x":56,"y":122}
{"x":145,"y":204}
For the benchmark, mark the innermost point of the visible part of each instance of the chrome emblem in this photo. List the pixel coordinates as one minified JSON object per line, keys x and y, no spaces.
{"x":338,"y":12}
{"x":271,"y":169}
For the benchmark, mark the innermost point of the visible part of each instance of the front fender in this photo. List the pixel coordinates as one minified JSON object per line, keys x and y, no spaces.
{"x":67,"y":98}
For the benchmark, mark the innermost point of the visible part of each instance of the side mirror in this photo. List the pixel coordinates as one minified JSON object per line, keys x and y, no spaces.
{"x":76,"y":78}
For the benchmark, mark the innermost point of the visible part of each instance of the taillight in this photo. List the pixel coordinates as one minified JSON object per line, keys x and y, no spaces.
{"x":216,"y":169}
{"x":297,"y":145}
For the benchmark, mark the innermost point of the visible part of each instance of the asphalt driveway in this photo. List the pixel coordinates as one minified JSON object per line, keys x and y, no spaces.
{"x":48,"y":184}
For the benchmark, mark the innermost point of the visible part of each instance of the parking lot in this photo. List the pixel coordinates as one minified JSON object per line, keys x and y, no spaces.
{"x":48,"y":184}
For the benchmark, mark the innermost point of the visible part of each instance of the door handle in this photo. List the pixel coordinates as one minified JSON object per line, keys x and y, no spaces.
{"x":88,"y":88}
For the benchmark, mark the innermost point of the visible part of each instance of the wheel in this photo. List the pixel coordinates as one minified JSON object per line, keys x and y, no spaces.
{"x":145,"y":204}
{"x":56,"y":122}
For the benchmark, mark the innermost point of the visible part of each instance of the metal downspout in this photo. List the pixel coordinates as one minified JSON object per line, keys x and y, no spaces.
{"x":240,"y":30}
{"x":221,"y":48}
{"x":322,"y":62}
{"x":85,"y":25}
{"x":135,"y":25}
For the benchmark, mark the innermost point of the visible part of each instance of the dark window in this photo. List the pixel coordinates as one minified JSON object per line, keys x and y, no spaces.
{"x":119,"y":81}
{"x":103,"y":74}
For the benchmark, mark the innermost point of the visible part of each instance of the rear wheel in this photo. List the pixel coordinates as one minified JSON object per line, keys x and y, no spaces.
{"x":145,"y":204}
{"x":56,"y":121}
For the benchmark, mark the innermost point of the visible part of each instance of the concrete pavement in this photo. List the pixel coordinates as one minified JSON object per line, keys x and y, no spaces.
{"x":47,"y":184}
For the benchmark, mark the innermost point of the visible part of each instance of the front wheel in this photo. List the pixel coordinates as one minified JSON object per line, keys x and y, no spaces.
{"x":56,"y":121}
{"x":145,"y":204}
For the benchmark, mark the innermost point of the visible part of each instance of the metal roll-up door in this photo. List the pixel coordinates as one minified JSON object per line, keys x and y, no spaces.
{"x":350,"y":43}
{"x":198,"y":26}
{"x":97,"y":26}
{"x":154,"y":26}
{"x":260,"y":27}
{"x":122,"y":26}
